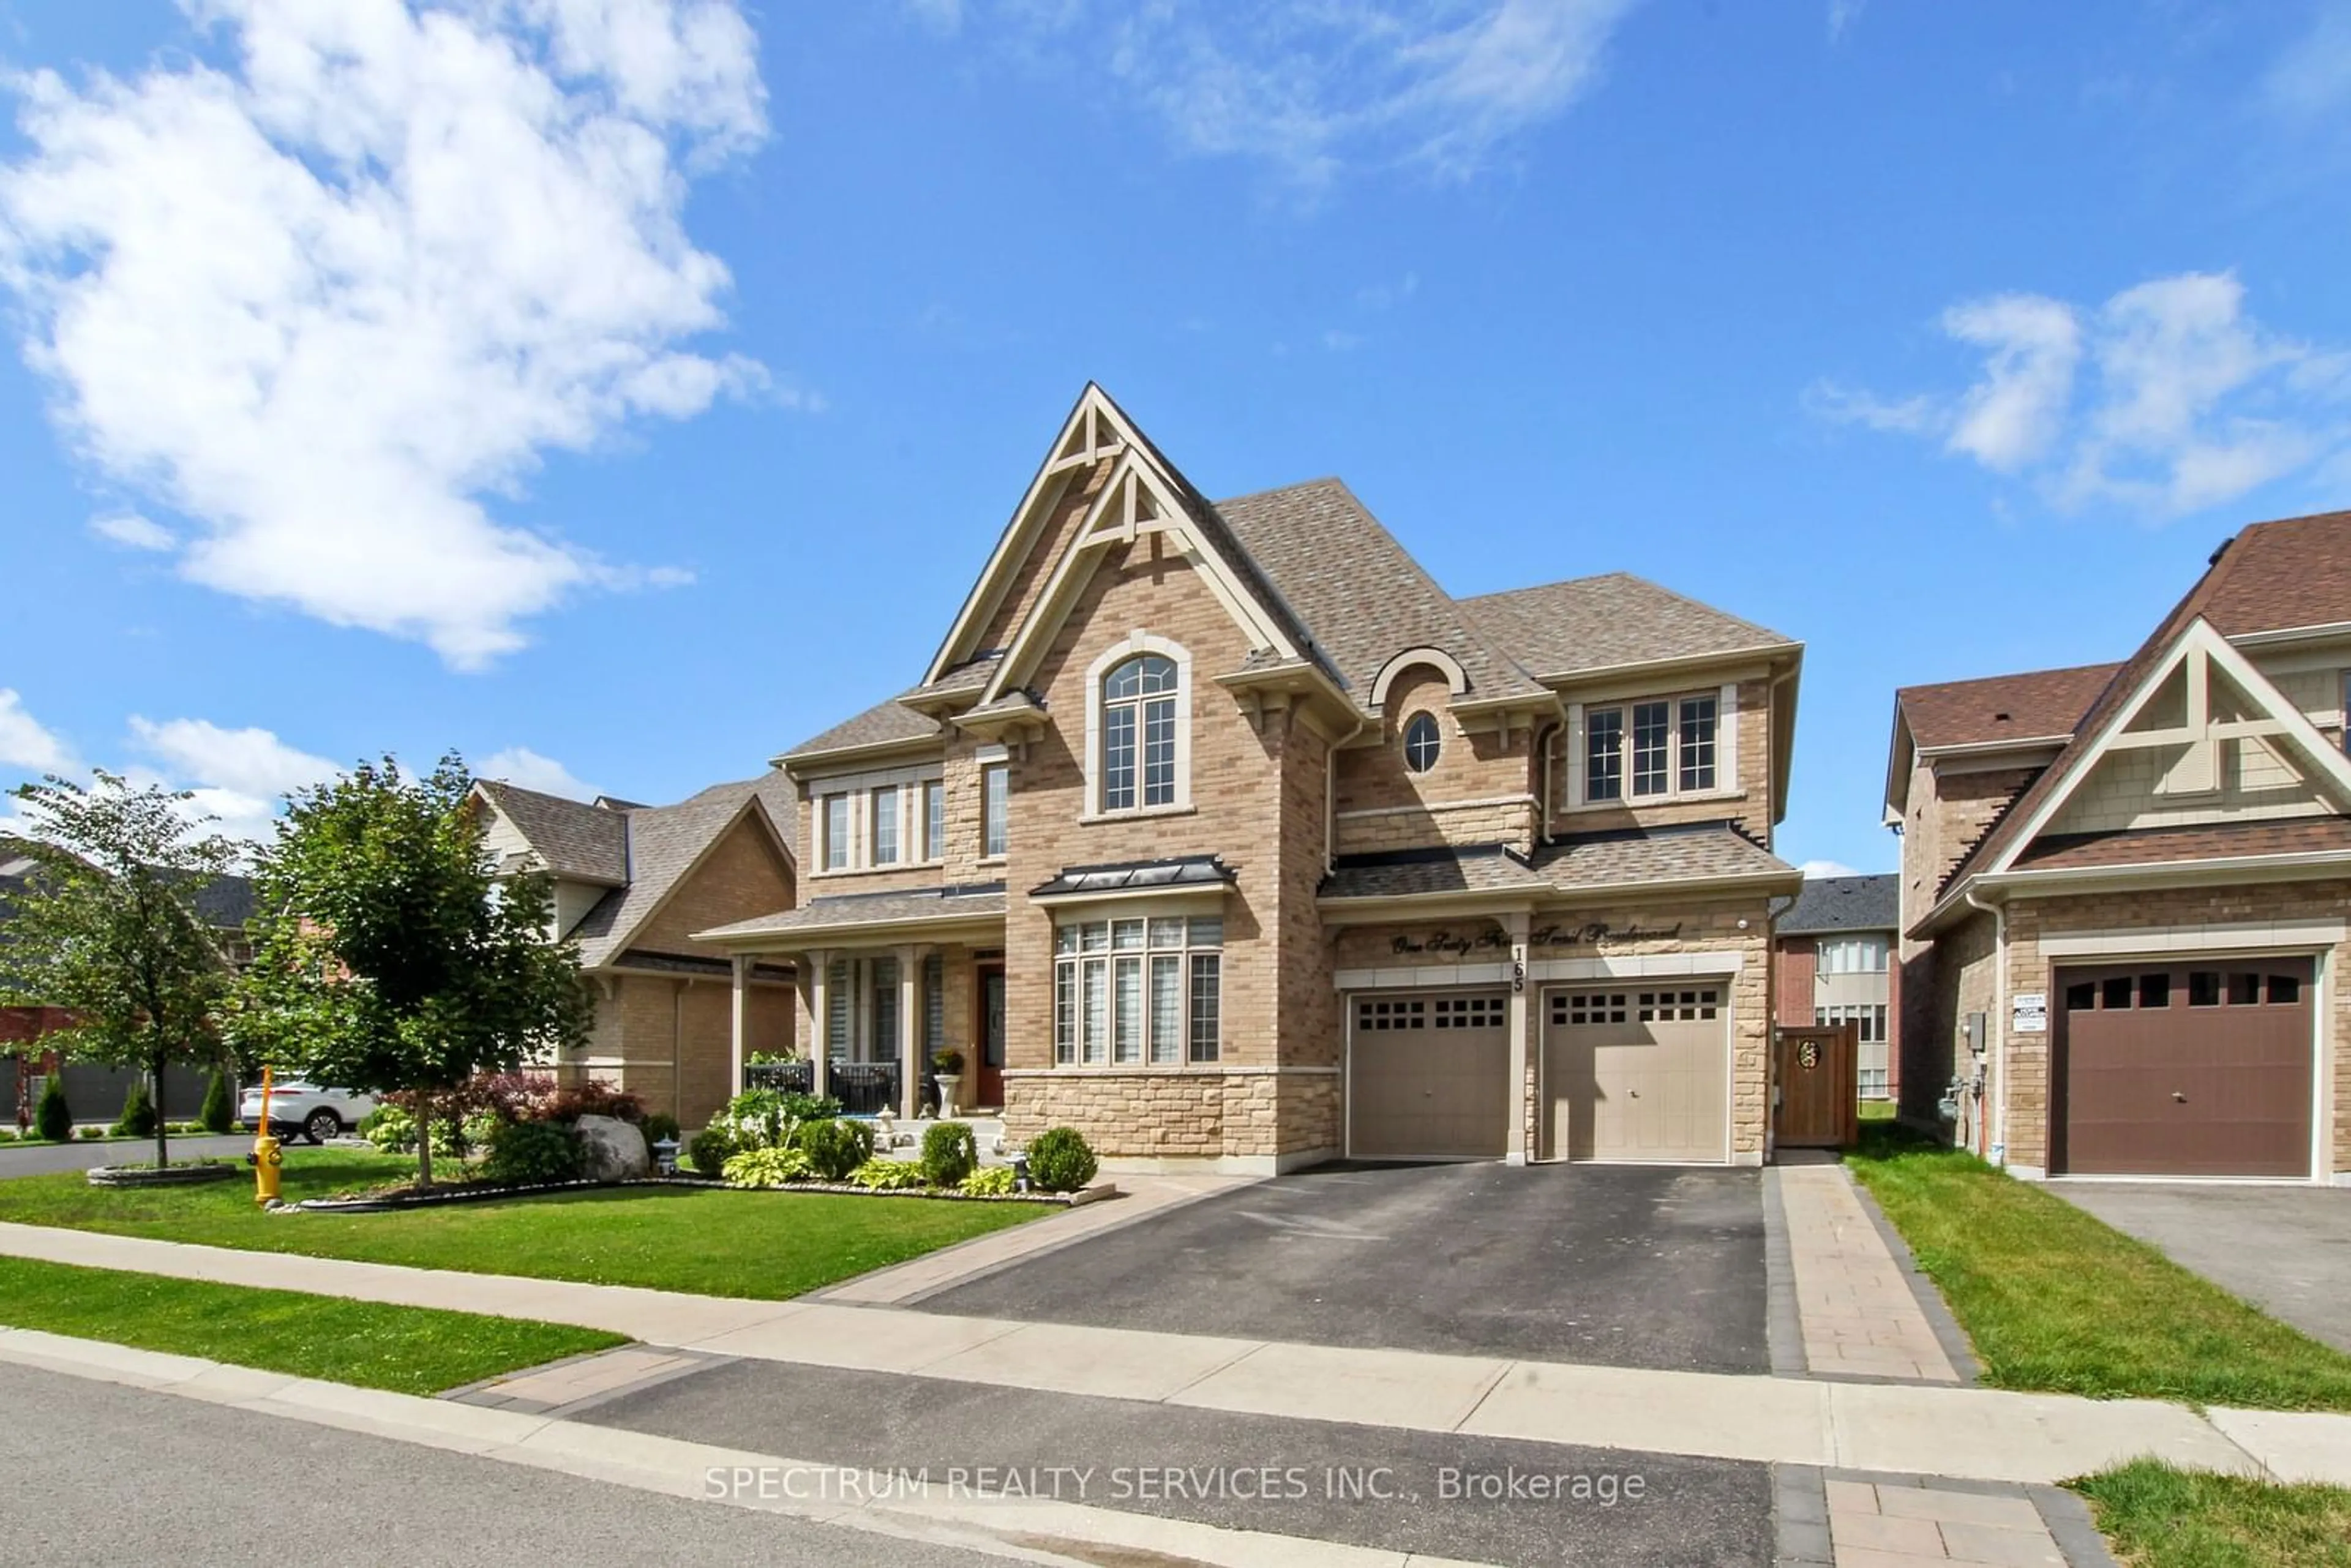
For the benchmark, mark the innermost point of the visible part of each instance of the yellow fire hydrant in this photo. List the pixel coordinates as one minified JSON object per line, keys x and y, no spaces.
{"x":269,"y":1155}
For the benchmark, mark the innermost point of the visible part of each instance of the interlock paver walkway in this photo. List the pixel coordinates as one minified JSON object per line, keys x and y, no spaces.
{"x":1911,"y":1429}
{"x":1859,"y":1315}
{"x":1915,"y":1526}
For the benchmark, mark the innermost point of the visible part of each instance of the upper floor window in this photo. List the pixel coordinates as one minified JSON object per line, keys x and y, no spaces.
{"x":995,"y":811}
{"x":1853,"y":956}
{"x":885,"y":826}
{"x":1655,"y":748}
{"x":934,"y":820}
{"x":1138,"y":734}
{"x":1422,"y":743}
{"x":836,"y":832}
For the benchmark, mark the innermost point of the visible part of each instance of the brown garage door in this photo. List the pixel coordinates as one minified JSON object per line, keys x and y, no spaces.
{"x":1428,"y":1077}
{"x":1639,"y":1074}
{"x":2185,"y":1070}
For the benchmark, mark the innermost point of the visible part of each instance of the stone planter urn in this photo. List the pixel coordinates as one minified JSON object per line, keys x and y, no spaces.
{"x":947,"y":1072}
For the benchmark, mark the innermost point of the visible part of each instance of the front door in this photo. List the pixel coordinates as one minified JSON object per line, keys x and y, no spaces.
{"x":989,"y":1090}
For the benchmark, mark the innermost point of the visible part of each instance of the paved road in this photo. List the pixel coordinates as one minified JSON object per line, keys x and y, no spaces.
{"x":2285,"y":1248}
{"x":97,"y":1474}
{"x":46,"y":1158}
{"x":1617,"y":1265}
{"x":1107,"y":1453}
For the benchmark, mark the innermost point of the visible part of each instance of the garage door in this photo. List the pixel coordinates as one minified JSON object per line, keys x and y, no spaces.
{"x":1637,"y":1074}
{"x":2184,"y":1070}
{"x":1428,"y":1077}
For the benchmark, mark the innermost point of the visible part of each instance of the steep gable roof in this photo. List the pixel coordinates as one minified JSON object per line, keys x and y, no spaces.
{"x":2036,"y":705}
{"x":584,"y":842}
{"x":1560,"y":628}
{"x":2281,"y":576}
{"x":1363,"y":599}
{"x":665,"y":843}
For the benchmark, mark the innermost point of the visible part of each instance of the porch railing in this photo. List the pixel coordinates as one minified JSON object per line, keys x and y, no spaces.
{"x":864,"y":1088}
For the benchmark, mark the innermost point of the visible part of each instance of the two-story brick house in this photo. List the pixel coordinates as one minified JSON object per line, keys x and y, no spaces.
{"x":1223,"y":833}
{"x":2125,"y":888}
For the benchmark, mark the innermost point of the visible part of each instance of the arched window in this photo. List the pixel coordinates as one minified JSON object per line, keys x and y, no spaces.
{"x":1422,"y":743}
{"x":1138,"y":734}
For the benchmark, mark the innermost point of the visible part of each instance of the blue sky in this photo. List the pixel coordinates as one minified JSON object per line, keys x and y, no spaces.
{"x":623,"y":391}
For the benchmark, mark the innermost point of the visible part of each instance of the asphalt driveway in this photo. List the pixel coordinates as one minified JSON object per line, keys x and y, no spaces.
{"x":47,"y":1159}
{"x":1617,"y":1265}
{"x":2287,"y":1249}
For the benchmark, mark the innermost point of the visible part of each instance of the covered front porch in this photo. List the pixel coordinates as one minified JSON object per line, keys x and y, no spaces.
{"x":887,"y":982}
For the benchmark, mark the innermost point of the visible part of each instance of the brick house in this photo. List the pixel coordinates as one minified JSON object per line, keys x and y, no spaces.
{"x":632,"y":884}
{"x":2125,"y":887}
{"x":1223,"y":833}
{"x":1834,"y":946}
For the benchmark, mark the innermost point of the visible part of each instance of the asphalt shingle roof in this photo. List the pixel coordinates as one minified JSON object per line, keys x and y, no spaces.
{"x":1696,"y":850}
{"x":873,"y":909}
{"x":575,"y":840}
{"x":1598,"y":622}
{"x":663,"y":843}
{"x":1845,"y":904}
{"x":2202,"y":841}
{"x":2032,"y":705}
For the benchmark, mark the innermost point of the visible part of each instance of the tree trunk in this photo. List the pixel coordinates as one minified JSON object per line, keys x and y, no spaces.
{"x":162,"y":1127}
{"x":424,"y":1141}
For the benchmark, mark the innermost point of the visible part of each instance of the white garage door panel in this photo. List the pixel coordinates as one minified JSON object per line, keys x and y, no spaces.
{"x":1639,"y":1074}
{"x":1428,"y":1077}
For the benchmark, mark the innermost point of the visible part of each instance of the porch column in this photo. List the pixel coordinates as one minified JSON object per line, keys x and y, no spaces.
{"x":909,"y":1029}
{"x":820,"y":992}
{"x":739,"y":1020}
{"x":1519,"y":1014}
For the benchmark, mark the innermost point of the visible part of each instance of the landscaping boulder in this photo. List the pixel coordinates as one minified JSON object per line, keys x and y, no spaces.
{"x":610,"y":1149}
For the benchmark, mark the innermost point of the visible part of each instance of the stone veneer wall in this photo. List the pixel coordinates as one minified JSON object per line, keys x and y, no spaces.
{"x":2028,"y":921}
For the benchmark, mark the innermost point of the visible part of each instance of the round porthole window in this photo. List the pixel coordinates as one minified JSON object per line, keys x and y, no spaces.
{"x":1421,"y":743}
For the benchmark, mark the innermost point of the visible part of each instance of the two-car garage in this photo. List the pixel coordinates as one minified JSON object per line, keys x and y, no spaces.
{"x":1637,"y":1071}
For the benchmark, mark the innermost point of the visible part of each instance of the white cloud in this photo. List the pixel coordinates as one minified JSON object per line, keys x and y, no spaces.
{"x":324,"y":300}
{"x":26,"y":743}
{"x":1339,"y":342}
{"x":238,"y":775}
{"x":1308,"y":87}
{"x":1814,"y":870}
{"x":521,"y":766}
{"x":1843,"y":14}
{"x":130,"y":529}
{"x":2166,"y":398}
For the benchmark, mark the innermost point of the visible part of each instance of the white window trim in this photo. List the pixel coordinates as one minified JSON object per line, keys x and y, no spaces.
{"x":1727,"y":785}
{"x":1109,"y":658}
{"x":1184,"y":1061}
{"x":1001,"y":762}
{"x":861,"y":789}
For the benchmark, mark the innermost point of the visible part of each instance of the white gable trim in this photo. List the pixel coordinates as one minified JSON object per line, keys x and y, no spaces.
{"x":2199,"y":647}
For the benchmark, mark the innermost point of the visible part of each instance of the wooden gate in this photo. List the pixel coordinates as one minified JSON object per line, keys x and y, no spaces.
{"x":1816,"y":1080}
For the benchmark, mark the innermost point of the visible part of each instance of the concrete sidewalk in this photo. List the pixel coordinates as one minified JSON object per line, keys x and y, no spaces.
{"x":1967,"y":1433}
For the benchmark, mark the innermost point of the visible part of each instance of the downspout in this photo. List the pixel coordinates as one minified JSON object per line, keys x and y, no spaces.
{"x":1330,"y":792}
{"x":1545,"y":779}
{"x":677,"y":1049}
{"x":1996,"y":1146}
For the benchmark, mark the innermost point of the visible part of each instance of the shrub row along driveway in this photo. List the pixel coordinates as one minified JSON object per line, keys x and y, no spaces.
{"x":1617,"y":1265}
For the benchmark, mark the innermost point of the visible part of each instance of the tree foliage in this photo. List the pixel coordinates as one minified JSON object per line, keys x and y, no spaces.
{"x":107,"y":927}
{"x":391,"y":955}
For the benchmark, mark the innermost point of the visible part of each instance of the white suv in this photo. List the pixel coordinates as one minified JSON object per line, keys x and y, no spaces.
{"x":298,"y":1107}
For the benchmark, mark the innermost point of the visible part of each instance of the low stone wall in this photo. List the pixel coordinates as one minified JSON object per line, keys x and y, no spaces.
{"x":1187,"y":1113}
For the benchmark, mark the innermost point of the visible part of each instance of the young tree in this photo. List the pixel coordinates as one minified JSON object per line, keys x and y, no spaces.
{"x":392,"y":958}
{"x":107,"y":927}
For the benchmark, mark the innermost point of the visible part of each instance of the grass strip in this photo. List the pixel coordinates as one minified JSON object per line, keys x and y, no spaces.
{"x":410,"y":1349}
{"x":2055,"y":1299}
{"x":2157,"y":1516}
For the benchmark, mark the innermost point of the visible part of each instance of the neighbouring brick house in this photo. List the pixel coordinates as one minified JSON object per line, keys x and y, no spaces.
{"x":632,"y":884}
{"x":1835,"y":945}
{"x":2125,"y":888}
{"x":95,"y":1091}
{"x":1223,"y":833}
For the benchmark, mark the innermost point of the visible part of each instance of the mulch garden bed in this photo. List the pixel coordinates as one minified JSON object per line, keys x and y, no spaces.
{"x":483,"y":1192}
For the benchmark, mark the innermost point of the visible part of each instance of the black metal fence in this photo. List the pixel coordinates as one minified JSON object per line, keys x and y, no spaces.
{"x":864,"y":1088}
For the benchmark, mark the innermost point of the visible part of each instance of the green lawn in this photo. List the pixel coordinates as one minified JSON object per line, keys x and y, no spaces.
{"x":2158,"y":1517}
{"x":706,"y":1241}
{"x":411,"y":1350}
{"x":2054,"y":1300}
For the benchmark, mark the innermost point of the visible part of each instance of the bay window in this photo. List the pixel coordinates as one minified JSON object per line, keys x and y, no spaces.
{"x":1137,"y":991}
